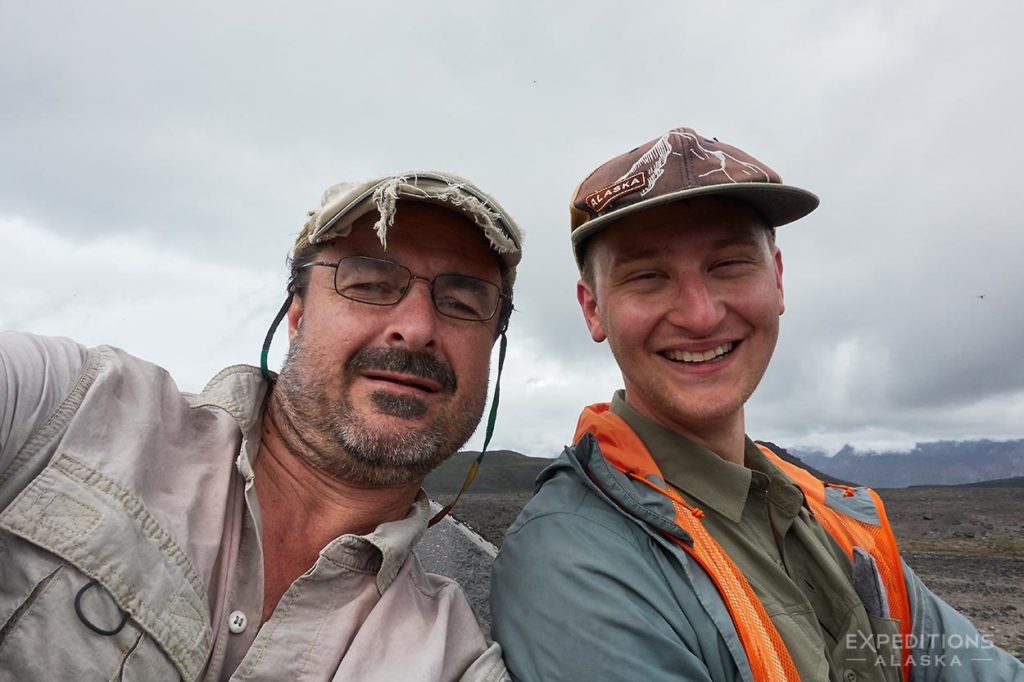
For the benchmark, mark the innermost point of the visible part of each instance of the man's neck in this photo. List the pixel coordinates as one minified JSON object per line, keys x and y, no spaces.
{"x":303,"y":509}
{"x":729,"y":444}
{"x":725,"y":437}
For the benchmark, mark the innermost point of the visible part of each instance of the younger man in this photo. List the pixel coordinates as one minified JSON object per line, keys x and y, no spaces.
{"x":665,"y":544}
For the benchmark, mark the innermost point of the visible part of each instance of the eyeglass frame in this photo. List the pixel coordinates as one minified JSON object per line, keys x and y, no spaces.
{"x":429,"y":280}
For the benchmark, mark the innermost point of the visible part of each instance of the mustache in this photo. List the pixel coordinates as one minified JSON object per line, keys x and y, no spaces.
{"x":418,"y":364}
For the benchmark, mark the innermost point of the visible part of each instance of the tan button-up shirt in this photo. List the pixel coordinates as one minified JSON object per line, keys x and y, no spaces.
{"x":123,"y":499}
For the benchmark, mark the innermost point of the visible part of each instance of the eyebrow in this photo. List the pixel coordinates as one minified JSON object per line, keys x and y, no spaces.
{"x":641,"y":253}
{"x":632,"y":255}
{"x":469,"y":282}
{"x":742,"y":239}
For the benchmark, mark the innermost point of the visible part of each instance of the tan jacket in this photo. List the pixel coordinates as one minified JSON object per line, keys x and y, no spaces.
{"x":109,"y":473}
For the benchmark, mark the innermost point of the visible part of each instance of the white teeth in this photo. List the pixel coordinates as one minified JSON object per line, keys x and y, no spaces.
{"x":698,"y":356}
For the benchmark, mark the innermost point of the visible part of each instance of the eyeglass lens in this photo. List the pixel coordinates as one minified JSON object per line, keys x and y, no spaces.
{"x":381,"y":282}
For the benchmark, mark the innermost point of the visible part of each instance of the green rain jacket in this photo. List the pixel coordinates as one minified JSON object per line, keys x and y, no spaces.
{"x":587,"y":587}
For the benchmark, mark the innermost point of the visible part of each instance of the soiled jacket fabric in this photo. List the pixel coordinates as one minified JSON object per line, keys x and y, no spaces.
{"x":588,"y":586}
{"x":109,"y":473}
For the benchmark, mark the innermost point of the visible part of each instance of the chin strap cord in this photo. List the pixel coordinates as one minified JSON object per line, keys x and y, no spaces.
{"x":491,"y":418}
{"x":270,"y":335}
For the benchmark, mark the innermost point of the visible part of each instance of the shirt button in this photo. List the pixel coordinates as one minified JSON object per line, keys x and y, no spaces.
{"x":850,"y":676}
{"x":237,"y":622}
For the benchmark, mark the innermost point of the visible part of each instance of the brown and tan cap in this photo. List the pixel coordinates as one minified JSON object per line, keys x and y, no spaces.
{"x":681,"y":164}
{"x":344,"y":203}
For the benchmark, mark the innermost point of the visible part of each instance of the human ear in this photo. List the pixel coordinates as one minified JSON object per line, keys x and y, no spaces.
{"x":778,"y":279}
{"x":294,"y":317}
{"x":588,"y":304}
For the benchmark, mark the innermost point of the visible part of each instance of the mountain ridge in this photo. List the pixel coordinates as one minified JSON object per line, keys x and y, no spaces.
{"x":979,"y":463}
{"x":933,"y":463}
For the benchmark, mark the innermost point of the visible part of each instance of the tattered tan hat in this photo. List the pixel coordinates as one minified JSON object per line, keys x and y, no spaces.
{"x":346,"y":202}
{"x":681,"y":164}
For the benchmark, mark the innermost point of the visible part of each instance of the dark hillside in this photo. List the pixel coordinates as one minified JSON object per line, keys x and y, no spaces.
{"x":1015,"y":482}
{"x":502,"y":471}
{"x":793,"y":459}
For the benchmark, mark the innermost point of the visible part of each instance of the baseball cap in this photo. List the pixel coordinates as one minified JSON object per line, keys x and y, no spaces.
{"x":681,"y":164}
{"x":344,"y":203}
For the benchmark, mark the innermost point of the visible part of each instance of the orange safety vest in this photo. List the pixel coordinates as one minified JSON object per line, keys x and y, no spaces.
{"x":767,"y":654}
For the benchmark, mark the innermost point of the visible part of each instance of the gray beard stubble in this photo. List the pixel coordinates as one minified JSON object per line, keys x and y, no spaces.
{"x":338,"y":439}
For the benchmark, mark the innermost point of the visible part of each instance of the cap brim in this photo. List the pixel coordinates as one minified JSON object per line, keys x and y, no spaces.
{"x":777,"y":204}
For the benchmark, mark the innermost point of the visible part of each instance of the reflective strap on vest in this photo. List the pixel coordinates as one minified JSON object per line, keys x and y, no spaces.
{"x":767,"y":654}
{"x":878,"y":541}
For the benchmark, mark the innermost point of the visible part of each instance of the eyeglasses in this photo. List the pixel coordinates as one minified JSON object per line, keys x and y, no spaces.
{"x":383,"y":282}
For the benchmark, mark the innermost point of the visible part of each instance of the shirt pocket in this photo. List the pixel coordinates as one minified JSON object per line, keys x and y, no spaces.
{"x":873,"y":655}
{"x":57,"y":623}
{"x":72,"y":524}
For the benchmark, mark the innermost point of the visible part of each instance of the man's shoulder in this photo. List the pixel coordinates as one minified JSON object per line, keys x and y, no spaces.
{"x":41,"y":379}
{"x":29,"y":355}
{"x":35,"y":355}
{"x":568,"y":505}
{"x":440,"y":603}
{"x":60,"y":361}
{"x":31,"y":359}
{"x":54,"y":389}
{"x":432,"y":586}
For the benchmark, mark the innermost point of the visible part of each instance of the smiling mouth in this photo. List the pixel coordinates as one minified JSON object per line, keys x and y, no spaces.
{"x":698,"y":357}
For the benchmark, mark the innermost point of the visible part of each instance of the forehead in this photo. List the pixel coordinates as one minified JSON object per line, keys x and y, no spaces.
{"x":702,"y":223}
{"x":424,"y":236}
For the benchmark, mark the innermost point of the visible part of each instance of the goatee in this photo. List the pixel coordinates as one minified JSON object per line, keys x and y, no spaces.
{"x":350,"y":443}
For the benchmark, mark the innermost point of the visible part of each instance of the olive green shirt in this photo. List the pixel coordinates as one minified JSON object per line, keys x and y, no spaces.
{"x":758,"y":516}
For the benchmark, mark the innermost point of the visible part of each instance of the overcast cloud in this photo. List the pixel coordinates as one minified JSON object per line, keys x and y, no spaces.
{"x":157,"y":161}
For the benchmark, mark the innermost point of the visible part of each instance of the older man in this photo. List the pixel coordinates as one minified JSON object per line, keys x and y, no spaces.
{"x":666,"y":545}
{"x":263,"y":528}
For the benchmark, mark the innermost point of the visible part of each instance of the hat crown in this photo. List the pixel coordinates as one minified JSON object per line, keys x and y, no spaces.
{"x":681,"y":164}
{"x":681,"y":159}
{"x":345,"y":202}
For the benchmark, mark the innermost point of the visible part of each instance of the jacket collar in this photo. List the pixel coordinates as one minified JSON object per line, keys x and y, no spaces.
{"x":596,"y":437}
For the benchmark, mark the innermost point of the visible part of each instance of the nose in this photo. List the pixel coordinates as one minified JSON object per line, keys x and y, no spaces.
{"x":413,"y":323}
{"x":695,"y":308}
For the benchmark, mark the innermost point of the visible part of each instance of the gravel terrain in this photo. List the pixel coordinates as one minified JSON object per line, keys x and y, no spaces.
{"x":452,"y":549}
{"x":967,"y":545}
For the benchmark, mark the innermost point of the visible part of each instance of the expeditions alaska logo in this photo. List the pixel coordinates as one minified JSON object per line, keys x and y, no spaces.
{"x":938,"y":650}
{"x":597,"y":201}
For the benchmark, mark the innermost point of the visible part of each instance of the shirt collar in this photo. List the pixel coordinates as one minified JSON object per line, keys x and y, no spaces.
{"x":384,"y":550}
{"x":239,"y":390}
{"x":395,"y":539}
{"x":784,"y":495}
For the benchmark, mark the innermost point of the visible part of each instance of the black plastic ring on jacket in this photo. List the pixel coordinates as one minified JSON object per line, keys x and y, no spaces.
{"x":85,"y":621}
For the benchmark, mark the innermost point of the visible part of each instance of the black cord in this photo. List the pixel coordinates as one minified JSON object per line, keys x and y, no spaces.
{"x":85,"y":621}
{"x":270,"y":335}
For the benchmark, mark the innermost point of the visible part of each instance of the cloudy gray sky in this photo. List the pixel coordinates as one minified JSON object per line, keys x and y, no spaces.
{"x":157,"y":161}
